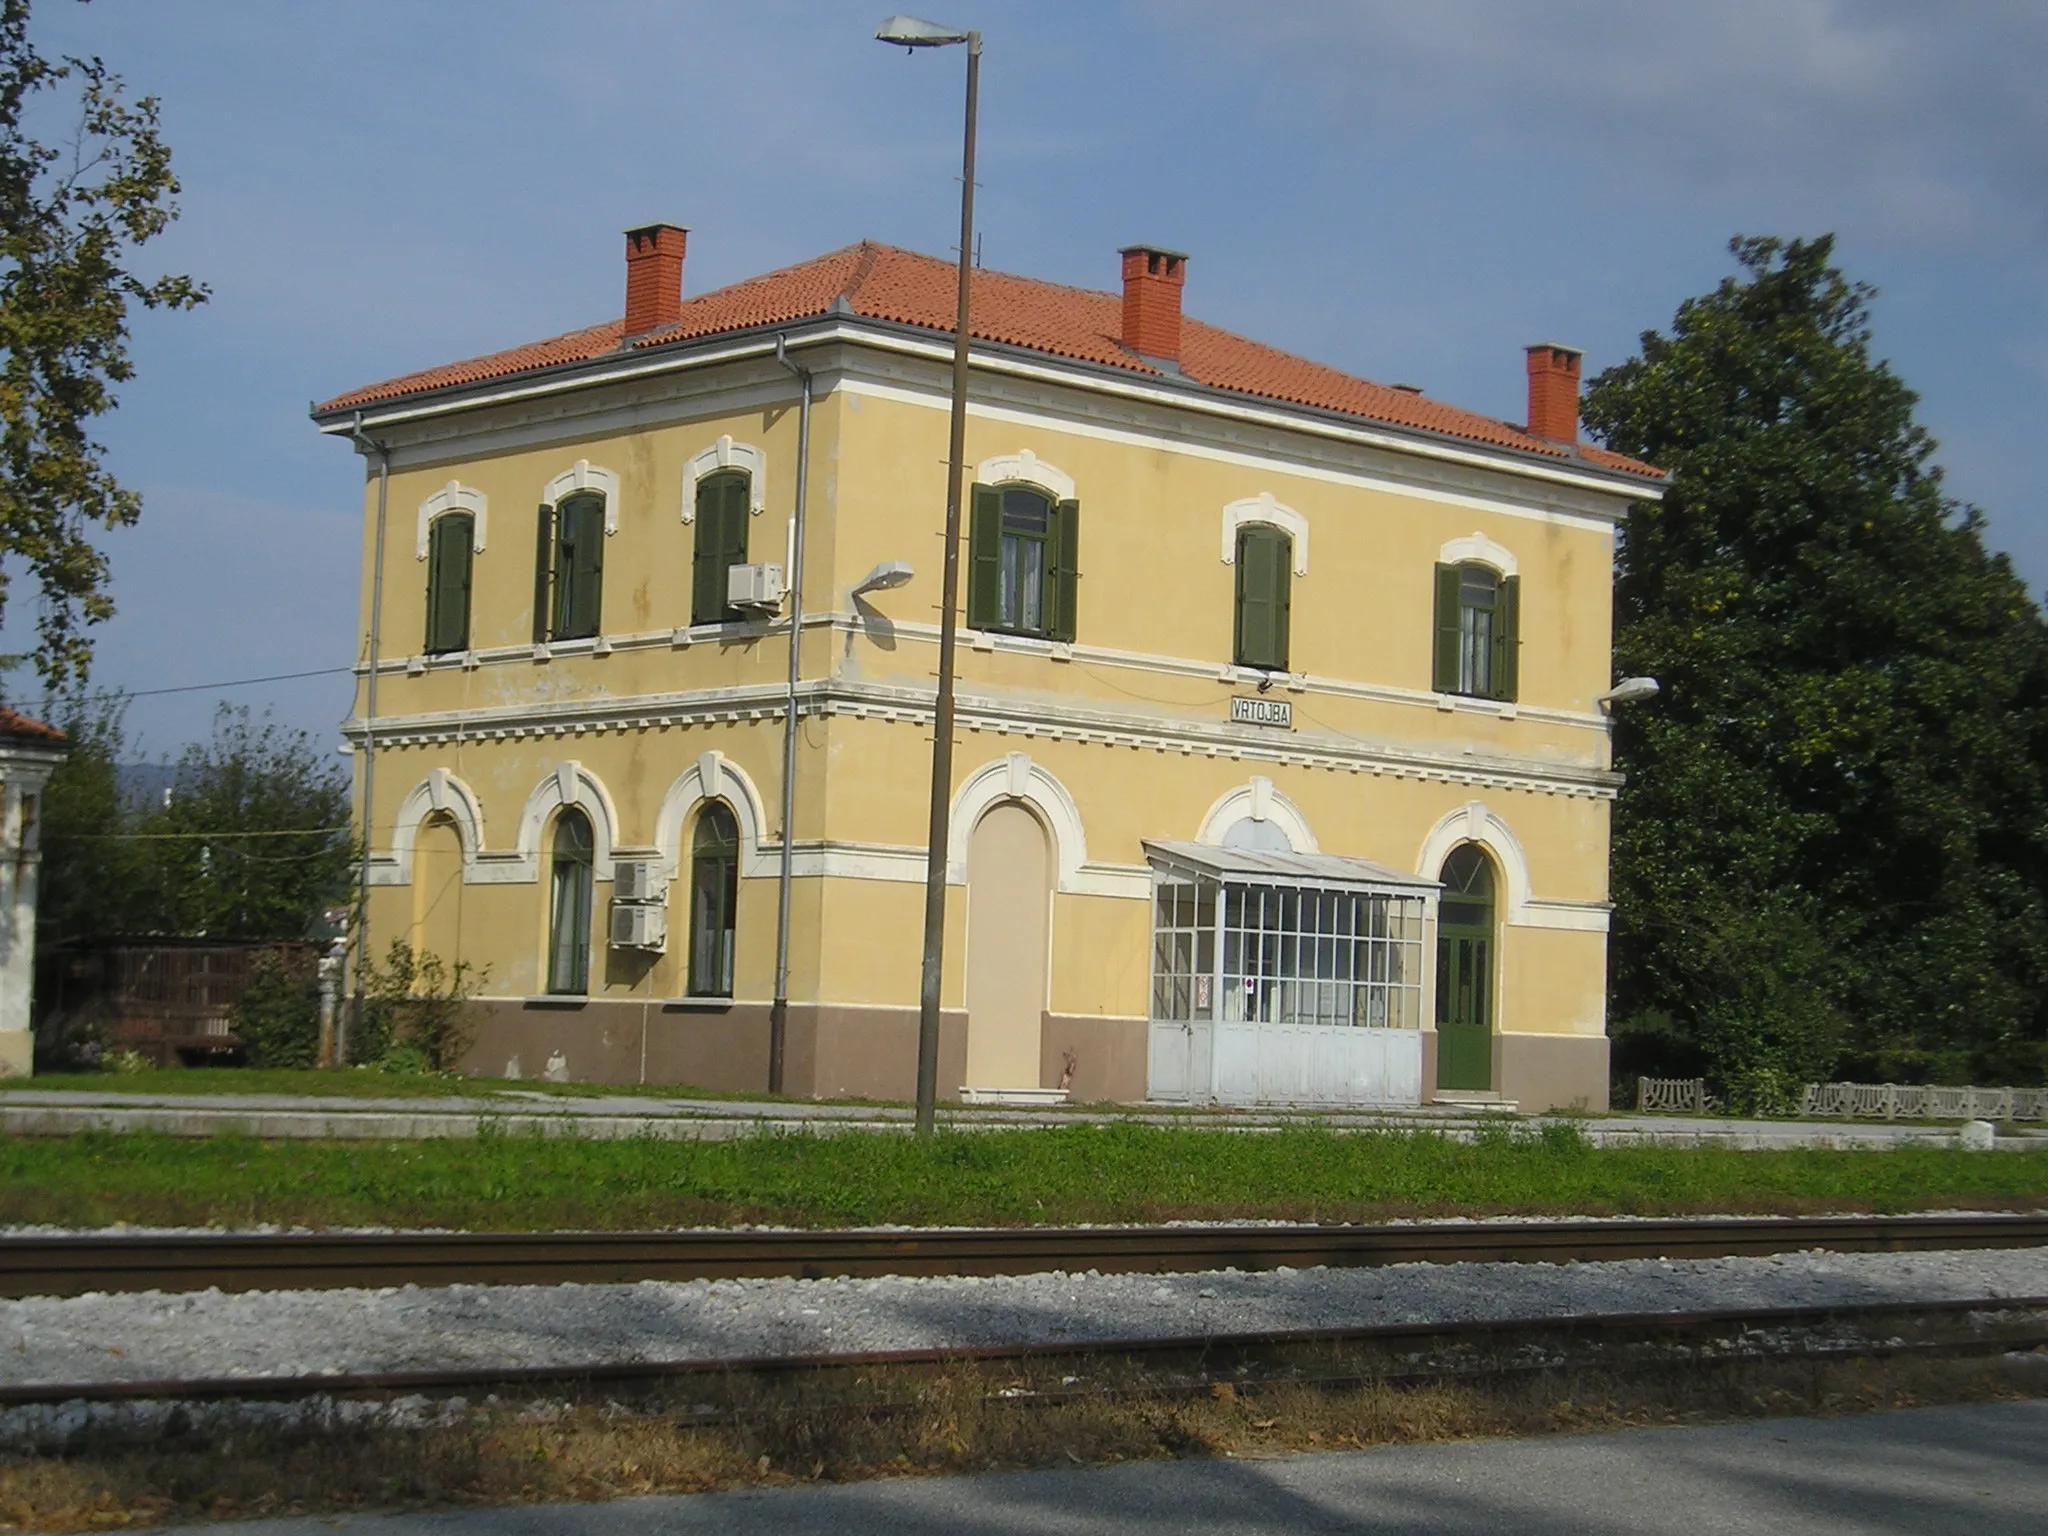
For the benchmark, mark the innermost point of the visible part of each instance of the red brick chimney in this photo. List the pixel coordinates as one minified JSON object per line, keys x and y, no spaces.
{"x":1554,"y":392}
{"x":1152,"y":284}
{"x":654,"y":276}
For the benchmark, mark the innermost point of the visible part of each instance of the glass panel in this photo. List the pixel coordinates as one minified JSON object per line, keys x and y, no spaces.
{"x":569,"y":905}
{"x":1025,"y":511}
{"x":1320,"y":957}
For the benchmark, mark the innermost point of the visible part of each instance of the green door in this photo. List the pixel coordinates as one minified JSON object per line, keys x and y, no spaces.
{"x":1464,"y":973}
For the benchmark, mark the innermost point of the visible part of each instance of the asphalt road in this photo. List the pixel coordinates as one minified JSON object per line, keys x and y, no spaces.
{"x":1977,"y":1470}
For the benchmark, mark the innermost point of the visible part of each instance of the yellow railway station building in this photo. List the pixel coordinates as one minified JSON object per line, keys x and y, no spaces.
{"x":1282,"y":768}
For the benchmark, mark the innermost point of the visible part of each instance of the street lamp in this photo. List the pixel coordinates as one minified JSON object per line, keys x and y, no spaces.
{"x":910,"y":32}
{"x":1630,"y":690}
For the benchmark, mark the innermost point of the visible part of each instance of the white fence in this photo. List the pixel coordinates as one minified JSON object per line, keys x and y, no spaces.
{"x":1891,"y":1101}
{"x":1674,"y":1096}
{"x":1857,"y":1101}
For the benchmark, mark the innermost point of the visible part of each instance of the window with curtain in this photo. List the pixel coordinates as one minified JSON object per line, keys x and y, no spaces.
{"x":714,"y":894}
{"x":568,"y":579}
{"x":1477,"y":643}
{"x":1021,"y":555}
{"x":723,"y":510}
{"x":570,"y":901}
{"x":450,"y":551}
{"x":1265,"y":571}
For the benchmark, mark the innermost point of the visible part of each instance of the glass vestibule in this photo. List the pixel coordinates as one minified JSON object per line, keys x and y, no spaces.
{"x":1229,"y":947}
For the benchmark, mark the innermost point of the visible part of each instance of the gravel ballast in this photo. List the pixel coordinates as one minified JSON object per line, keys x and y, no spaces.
{"x":155,"y":1336}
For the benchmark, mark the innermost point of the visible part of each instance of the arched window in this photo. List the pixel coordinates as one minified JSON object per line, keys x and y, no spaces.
{"x":570,"y":905}
{"x":714,"y":893}
{"x":568,"y":572}
{"x":1021,"y":556}
{"x":1464,"y":971}
{"x":723,"y":508}
{"x":1265,"y":569}
{"x":450,"y":551}
{"x":1477,"y":619}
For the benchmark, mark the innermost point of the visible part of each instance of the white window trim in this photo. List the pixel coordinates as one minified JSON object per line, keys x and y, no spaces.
{"x":714,"y":776}
{"x":1258,"y":800}
{"x":1263,"y":508}
{"x":454,"y":497}
{"x":1027,"y":468}
{"x":1478,"y":549}
{"x":586,"y":476}
{"x":727,"y":454}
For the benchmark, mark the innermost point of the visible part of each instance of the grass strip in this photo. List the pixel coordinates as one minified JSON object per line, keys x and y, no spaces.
{"x":960,"y":1421}
{"x":1055,"y":1175}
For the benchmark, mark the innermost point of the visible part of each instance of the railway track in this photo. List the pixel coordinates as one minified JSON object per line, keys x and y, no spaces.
{"x":1179,"y":1365}
{"x":75,"y":1265}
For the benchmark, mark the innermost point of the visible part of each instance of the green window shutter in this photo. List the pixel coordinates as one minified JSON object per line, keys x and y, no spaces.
{"x":1263,"y":556}
{"x":984,"y":558}
{"x":543,"y":573}
{"x":1283,"y":597}
{"x":1507,"y":639}
{"x":1062,"y":575}
{"x":707,"y":594}
{"x":722,"y":513}
{"x":738,"y":495}
{"x":1446,"y":648}
{"x":449,"y":557}
{"x":436,"y":537}
{"x":586,"y":568}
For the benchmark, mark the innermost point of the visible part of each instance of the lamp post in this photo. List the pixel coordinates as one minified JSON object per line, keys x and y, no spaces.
{"x":909,"y":32}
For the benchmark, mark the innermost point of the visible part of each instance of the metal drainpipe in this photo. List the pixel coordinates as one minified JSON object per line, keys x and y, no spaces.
{"x":368,"y":445}
{"x":778,"y":1011}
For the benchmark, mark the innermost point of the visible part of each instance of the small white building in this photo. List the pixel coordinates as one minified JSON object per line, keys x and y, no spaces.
{"x":29,"y":752}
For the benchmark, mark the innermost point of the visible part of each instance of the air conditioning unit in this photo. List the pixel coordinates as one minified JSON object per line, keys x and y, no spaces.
{"x":757,"y":587}
{"x":639,"y":927}
{"x":638,"y":880}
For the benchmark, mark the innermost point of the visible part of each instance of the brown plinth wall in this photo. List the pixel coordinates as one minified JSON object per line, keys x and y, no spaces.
{"x":1109,"y":1057}
{"x":1540,"y":1072}
{"x":829,"y":1052}
{"x":841,"y":1052}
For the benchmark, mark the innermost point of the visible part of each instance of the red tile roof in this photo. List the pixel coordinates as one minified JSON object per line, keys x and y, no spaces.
{"x":881,"y":282}
{"x":12,"y":724}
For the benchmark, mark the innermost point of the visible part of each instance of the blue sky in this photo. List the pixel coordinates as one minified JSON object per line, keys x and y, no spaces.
{"x":1410,"y":192}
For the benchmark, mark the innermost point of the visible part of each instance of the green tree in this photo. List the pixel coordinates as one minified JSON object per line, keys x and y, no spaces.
{"x":92,"y":865}
{"x":1833,"y":847}
{"x":250,"y":841}
{"x":253,"y":840}
{"x":72,"y":214}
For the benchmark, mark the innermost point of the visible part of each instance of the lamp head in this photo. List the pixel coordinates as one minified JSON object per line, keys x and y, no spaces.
{"x":890,"y":573}
{"x":915,"y":32}
{"x":1630,"y":690}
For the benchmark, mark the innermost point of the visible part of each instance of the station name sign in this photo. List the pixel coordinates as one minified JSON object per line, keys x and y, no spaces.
{"x":1278,"y":713}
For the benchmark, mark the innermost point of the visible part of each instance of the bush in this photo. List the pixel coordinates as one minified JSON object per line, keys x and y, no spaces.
{"x":277,"y":1016}
{"x":413,"y":1018}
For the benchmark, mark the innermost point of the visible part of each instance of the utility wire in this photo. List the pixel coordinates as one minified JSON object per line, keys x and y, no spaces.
{"x":161,"y":837}
{"x":238,"y":682}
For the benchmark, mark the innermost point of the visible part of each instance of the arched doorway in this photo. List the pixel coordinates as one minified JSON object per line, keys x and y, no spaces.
{"x":1464,"y":972}
{"x":1009,"y":913}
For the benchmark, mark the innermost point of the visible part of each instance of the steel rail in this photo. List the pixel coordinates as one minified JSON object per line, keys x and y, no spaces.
{"x":1212,"y":1354}
{"x":75,"y":1265}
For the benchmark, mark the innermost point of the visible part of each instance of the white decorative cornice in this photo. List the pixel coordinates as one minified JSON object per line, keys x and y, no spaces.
{"x":1262,"y":508}
{"x":1027,"y":719}
{"x":586,"y":476}
{"x":454,"y":497}
{"x":1028,"y":468}
{"x":727,"y":454}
